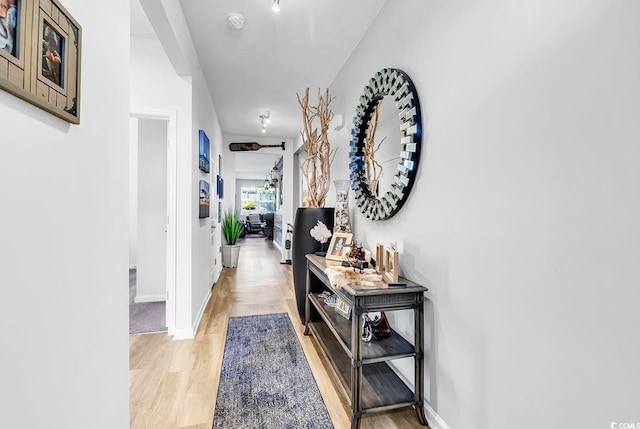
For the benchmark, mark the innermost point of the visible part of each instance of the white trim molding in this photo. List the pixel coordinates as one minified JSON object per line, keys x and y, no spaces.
{"x":190,"y":333}
{"x":149,"y":298}
{"x":434,"y":420}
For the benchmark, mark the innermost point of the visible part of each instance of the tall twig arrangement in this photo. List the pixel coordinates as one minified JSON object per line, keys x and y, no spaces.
{"x":316,"y":167}
{"x":373,"y":167}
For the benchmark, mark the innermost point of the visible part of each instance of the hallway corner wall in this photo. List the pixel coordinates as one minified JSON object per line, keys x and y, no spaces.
{"x":64,"y":243}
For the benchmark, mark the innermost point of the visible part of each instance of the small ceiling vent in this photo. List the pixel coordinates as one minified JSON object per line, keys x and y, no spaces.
{"x":235,"y":20}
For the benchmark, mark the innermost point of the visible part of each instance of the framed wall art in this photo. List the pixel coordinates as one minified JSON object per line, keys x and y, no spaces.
{"x":220,"y":187}
{"x":203,"y":162}
{"x":204,"y":200}
{"x":40,"y":46}
{"x":339,"y":241}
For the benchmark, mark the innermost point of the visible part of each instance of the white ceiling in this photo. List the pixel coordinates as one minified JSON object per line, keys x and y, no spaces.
{"x":261,"y":67}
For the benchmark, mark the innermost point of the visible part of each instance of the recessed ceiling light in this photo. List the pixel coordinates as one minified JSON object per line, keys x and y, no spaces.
{"x":235,"y":20}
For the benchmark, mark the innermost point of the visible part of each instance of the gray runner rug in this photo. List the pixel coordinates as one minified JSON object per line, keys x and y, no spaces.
{"x":265,"y":381}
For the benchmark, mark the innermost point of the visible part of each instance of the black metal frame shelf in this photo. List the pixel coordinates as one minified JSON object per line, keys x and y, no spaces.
{"x":369,"y":383}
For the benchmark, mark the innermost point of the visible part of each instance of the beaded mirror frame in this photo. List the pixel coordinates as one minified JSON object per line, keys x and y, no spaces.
{"x":397,"y":84}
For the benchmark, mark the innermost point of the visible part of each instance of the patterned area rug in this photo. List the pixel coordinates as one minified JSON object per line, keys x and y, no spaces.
{"x":255,"y":236}
{"x":265,"y":380}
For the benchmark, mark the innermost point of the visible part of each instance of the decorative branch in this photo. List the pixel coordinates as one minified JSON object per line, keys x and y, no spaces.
{"x":373,"y":167}
{"x":316,"y":168}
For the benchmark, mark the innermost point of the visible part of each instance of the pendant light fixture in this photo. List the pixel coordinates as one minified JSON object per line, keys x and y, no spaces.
{"x":276,"y":6}
{"x":264,"y":121}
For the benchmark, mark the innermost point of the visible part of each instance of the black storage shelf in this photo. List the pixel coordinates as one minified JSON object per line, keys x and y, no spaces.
{"x":393,"y":347}
{"x":381,"y":386}
{"x":368,"y":382}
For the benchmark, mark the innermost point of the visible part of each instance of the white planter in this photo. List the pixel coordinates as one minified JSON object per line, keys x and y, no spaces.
{"x":230,"y":254}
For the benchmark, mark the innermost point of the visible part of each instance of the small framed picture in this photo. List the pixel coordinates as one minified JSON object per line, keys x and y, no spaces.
{"x":379,"y":258}
{"x":342,"y":308}
{"x":204,"y":199}
{"x":204,"y":146}
{"x":339,"y":241}
{"x":390,"y":265}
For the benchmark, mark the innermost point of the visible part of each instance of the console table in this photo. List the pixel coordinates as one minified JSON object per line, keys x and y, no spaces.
{"x":368,"y":383}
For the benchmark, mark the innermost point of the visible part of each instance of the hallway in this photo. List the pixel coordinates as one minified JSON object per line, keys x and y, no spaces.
{"x":173,"y":384}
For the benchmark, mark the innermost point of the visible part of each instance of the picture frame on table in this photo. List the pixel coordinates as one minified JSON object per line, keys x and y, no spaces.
{"x":343,"y":308}
{"x":339,"y":241}
{"x":390,"y":274}
{"x":40,"y":56}
{"x":379,"y":258}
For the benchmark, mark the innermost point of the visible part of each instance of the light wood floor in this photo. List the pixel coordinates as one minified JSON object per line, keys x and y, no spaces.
{"x":173,"y":384}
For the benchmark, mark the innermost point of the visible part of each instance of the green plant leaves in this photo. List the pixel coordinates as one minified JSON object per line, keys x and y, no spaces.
{"x":231,"y":227}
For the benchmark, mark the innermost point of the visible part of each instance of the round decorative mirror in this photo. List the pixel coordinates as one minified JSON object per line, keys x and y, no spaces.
{"x":385,"y":144}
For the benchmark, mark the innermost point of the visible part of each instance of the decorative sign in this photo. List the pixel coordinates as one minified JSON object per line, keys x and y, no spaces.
{"x":40,"y":56}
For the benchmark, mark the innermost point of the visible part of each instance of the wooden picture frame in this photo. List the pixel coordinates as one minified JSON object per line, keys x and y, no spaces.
{"x":43,"y":64}
{"x":379,"y":258}
{"x":339,"y":241}
{"x":390,"y":265}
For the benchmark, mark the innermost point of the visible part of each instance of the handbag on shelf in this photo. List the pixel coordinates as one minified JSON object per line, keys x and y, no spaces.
{"x":375,"y":326}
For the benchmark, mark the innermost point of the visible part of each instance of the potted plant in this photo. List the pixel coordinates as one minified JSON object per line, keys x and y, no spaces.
{"x":231,"y":229}
{"x":316,"y":172}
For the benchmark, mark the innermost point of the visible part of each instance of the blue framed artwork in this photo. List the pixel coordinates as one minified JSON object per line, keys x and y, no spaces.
{"x":204,"y":163}
{"x":219,"y":186}
{"x":204,"y":199}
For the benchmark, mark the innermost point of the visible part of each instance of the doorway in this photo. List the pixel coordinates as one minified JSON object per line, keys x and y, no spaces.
{"x":152,"y":223}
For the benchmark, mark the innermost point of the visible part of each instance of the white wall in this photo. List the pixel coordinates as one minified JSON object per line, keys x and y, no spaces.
{"x":524,"y":219}
{"x":151,"y":284}
{"x":205,"y":247}
{"x":184,"y":91}
{"x":133,"y":192}
{"x":151,"y":70}
{"x":63,"y":251}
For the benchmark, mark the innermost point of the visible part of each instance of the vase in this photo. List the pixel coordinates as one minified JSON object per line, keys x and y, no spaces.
{"x":342,"y":221}
{"x":230,"y":255}
{"x":302,"y":243}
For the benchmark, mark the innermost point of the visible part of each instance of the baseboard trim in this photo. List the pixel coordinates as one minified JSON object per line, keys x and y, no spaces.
{"x":201,"y":312}
{"x":435,"y":421}
{"x":190,"y":333}
{"x":149,"y":298}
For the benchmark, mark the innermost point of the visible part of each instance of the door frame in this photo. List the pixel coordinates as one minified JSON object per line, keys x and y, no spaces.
{"x":169,"y":116}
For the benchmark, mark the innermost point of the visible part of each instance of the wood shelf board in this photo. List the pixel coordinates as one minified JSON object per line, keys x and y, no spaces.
{"x":381,"y":386}
{"x":393,"y":347}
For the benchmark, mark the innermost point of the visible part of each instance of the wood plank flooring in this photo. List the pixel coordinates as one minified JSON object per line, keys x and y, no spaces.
{"x":173,"y":384}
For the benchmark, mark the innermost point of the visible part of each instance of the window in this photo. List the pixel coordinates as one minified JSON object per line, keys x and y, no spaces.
{"x":257,"y":200}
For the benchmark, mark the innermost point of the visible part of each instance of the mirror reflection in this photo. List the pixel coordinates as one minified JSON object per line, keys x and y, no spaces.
{"x":385,"y":144}
{"x":381,"y":146}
